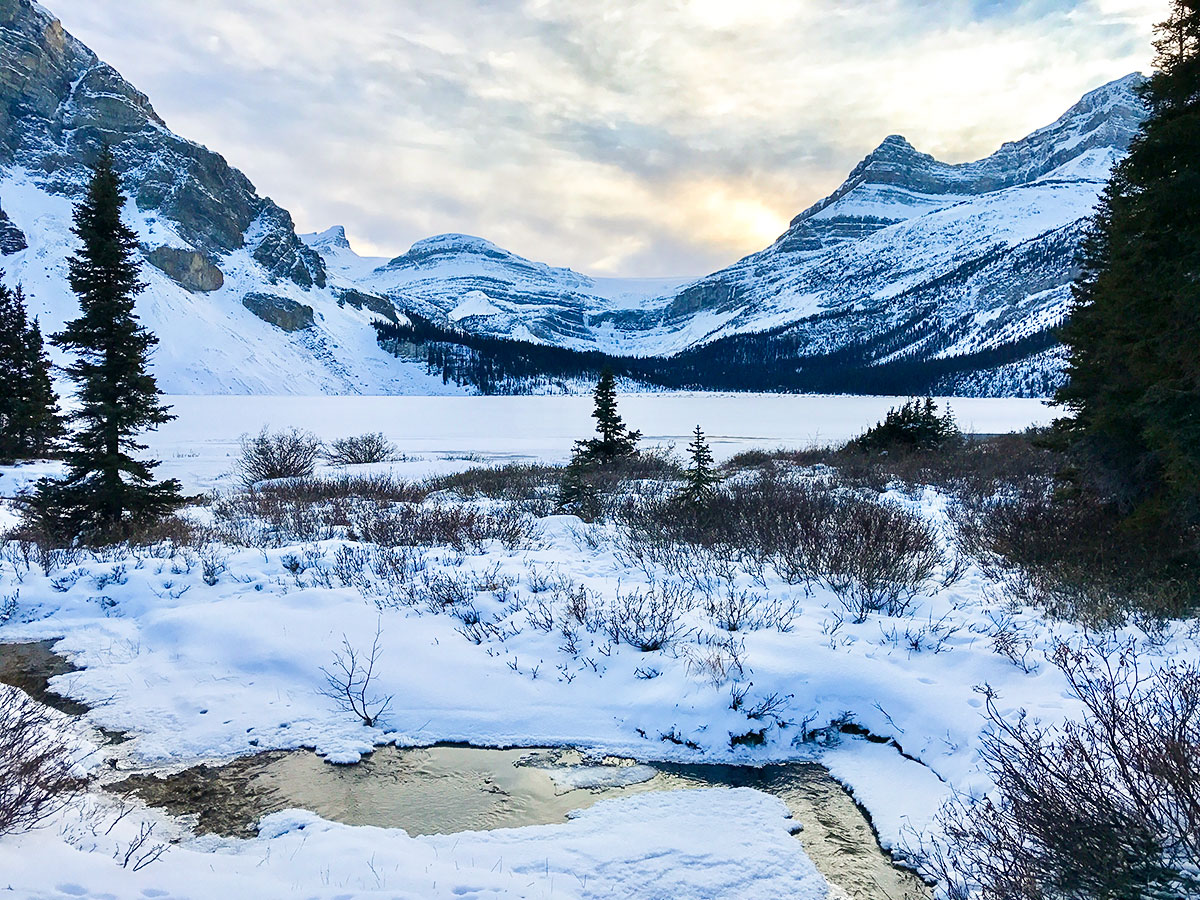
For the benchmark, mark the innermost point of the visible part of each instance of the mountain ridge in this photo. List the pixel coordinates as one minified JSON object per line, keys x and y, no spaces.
{"x":921,"y":260}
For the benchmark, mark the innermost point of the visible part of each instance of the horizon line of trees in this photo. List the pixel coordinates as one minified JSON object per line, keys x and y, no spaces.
{"x":770,"y":361}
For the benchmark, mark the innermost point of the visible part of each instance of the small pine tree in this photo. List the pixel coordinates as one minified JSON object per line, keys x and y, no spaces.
{"x":1134,"y":369}
{"x":30,"y":424}
{"x":578,"y":493}
{"x":107,"y":491}
{"x":701,"y":478}
{"x":615,"y":439}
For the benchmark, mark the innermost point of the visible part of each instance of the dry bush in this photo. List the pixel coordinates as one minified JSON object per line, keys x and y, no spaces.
{"x":875,"y":555}
{"x":305,"y":509}
{"x":349,"y":681}
{"x":650,"y":620}
{"x":516,"y":483}
{"x":361,"y":449}
{"x":424,"y":525}
{"x":37,"y":774}
{"x":1078,"y":557}
{"x":735,"y":610}
{"x":974,"y":467}
{"x":282,"y":454}
{"x":1104,"y":807}
{"x":36,"y":543}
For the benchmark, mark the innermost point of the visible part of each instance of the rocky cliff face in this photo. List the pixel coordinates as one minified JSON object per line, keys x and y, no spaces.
{"x":59,"y":104}
{"x":12,"y":239}
{"x":239,"y":302}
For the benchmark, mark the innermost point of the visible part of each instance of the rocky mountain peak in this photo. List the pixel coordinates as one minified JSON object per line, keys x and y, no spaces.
{"x":59,"y":104}
{"x":330,"y":239}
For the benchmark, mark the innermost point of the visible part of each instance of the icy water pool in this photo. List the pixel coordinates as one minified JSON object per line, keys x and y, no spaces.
{"x":447,"y":789}
{"x":30,"y":667}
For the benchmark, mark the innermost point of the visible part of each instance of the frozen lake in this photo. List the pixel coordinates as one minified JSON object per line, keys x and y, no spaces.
{"x":440,"y":434}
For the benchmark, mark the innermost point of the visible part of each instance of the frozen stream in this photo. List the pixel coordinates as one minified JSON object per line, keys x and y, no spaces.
{"x":450,"y":789}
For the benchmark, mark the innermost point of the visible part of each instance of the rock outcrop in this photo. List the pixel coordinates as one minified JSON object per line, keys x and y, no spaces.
{"x":12,"y":239}
{"x":281,"y":312}
{"x":59,"y":104}
{"x":189,"y":268}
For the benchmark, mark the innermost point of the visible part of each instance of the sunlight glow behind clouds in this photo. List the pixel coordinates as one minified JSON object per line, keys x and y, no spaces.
{"x":652,"y":137}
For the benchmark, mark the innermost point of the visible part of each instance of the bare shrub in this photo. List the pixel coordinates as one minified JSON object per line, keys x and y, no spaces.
{"x":1078,"y":556}
{"x":532,"y":487}
{"x":875,"y":555}
{"x":348,"y":681}
{"x":1104,"y":807}
{"x":652,"y":619}
{"x":878,"y":556}
{"x":268,"y":455}
{"x":305,"y":509}
{"x":37,"y":773}
{"x":428,"y":525}
{"x":361,"y":449}
{"x":717,"y":660}
{"x":741,"y":610}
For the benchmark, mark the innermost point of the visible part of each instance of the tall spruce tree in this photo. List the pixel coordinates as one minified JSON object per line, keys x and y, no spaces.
{"x":1134,"y":369}
{"x":614,"y":440}
{"x":107,"y":492}
{"x":30,"y":424}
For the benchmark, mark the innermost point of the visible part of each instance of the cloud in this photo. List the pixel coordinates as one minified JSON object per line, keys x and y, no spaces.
{"x":647,"y":137}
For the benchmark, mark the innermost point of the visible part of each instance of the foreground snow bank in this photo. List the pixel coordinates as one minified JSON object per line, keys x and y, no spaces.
{"x":687,"y":845}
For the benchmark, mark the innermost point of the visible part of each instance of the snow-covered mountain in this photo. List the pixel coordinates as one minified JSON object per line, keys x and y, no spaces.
{"x":912,"y":258}
{"x":966,"y":266}
{"x":240,"y":303}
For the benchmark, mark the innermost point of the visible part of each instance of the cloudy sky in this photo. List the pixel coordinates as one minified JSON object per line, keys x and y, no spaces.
{"x":657,"y":137}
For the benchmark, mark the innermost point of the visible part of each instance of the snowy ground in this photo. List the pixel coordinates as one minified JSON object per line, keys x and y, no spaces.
{"x":216,"y":652}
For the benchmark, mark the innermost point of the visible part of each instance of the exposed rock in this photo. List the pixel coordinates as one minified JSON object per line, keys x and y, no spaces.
{"x":189,"y":268}
{"x":281,"y":312}
{"x":704,"y":295}
{"x":59,"y":103}
{"x":276,"y":246}
{"x":379,"y":305}
{"x":12,"y":239}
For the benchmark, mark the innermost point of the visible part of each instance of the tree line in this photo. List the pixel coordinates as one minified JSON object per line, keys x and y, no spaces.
{"x":770,"y":361}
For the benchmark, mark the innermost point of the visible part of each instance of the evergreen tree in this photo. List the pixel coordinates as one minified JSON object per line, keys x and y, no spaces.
{"x":30,"y":423}
{"x":701,"y":478}
{"x":916,"y":425}
{"x":578,"y":492}
{"x":1134,"y":367}
{"x":107,"y":492}
{"x":615,"y":439}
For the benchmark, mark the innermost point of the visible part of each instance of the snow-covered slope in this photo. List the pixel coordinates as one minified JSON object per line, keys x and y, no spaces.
{"x":926,"y":259}
{"x":478,"y":286}
{"x":910,"y":258}
{"x":906,"y":234}
{"x":240,"y":303}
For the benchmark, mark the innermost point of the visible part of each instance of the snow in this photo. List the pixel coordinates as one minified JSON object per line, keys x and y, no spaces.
{"x":642,"y":848}
{"x":474,"y":303}
{"x":212,"y":654}
{"x":445,"y":434}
